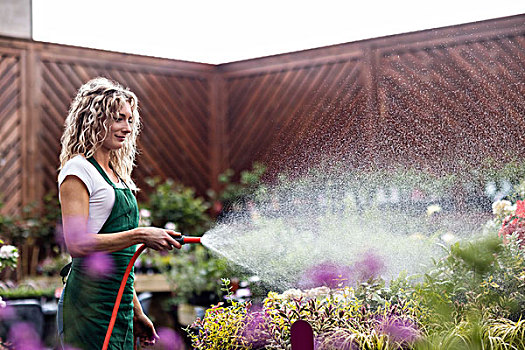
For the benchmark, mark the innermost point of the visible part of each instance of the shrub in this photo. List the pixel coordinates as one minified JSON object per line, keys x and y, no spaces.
{"x":178,"y":204}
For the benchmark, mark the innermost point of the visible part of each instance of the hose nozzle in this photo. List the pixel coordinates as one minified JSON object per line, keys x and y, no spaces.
{"x":187,"y":239}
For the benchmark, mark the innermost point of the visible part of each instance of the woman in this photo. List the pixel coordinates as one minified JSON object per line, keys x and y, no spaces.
{"x":100,"y":218}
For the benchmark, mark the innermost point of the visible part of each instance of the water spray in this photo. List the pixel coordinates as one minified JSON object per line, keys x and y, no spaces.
{"x":182,"y":240}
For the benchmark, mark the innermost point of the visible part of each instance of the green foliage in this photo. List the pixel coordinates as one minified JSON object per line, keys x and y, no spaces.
{"x":248,"y":183}
{"x":474,"y":293}
{"x":222,"y":327}
{"x":51,"y":266}
{"x":26,"y":291}
{"x":194,"y":272}
{"x":38,"y":221}
{"x":176,"y":203}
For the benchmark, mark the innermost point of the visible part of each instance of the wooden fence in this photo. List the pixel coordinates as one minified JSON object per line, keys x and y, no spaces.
{"x":421,"y":99}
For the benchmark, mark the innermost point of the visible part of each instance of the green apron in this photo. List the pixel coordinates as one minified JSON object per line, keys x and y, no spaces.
{"x":89,"y":300}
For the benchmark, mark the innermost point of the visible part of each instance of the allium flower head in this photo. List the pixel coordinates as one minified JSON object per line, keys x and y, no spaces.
{"x":24,"y":336}
{"x":369,"y":266}
{"x":99,"y":264}
{"x":327,"y":274}
{"x":169,"y":340}
{"x":399,"y":330}
{"x":7,"y":312}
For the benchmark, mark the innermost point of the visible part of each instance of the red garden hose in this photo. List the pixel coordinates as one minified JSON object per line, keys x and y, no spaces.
{"x":181,"y":240}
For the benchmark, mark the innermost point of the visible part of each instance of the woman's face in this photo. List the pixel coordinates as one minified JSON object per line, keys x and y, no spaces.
{"x":120,"y":128}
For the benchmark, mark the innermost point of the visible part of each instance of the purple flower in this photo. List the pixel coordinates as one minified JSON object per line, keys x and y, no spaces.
{"x":24,"y":336}
{"x":169,"y":340}
{"x":325,"y":274}
{"x":99,"y":264}
{"x":7,"y":313}
{"x":59,"y":234}
{"x":369,"y":266}
{"x":254,"y":332}
{"x":399,"y":330}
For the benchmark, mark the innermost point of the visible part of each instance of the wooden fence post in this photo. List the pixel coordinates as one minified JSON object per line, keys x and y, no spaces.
{"x":217,"y":129}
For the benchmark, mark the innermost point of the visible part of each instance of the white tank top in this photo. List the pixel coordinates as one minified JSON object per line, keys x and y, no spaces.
{"x":101,"y":194}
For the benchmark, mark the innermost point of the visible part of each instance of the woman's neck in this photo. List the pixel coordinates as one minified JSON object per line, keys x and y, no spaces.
{"x":102,"y":158}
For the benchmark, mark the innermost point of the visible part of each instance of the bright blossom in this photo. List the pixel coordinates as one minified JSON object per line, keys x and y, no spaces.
{"x":8,"y":252}
{"x":503,"y":208}
{"x":399,"y":330}
{"x":169,"y":339}
{"x":99,"y":264}
{"x":170,"y":226}
{"x":515,"y":224}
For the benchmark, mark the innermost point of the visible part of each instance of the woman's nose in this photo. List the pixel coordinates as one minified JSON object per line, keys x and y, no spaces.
{"x":127,"y":127}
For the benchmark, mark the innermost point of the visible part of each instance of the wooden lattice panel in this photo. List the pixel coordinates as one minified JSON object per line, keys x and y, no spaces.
{"x":463,"y":101}
{"x":295,"y":115}
{"x":10,"y":133}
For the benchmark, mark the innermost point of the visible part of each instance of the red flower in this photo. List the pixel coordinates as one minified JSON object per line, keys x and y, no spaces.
{"x":514,"y":224}
{"x":520,"y":209}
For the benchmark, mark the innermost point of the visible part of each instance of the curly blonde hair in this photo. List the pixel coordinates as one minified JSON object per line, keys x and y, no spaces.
{"x":93,"y":110}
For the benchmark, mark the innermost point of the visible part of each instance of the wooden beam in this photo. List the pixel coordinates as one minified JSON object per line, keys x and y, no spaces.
{"x":217,"y":130}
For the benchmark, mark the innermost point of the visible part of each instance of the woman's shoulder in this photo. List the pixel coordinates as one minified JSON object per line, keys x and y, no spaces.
{"x":80,"y":167}
{"x":78,"y":159}
{"x":77,"y":162}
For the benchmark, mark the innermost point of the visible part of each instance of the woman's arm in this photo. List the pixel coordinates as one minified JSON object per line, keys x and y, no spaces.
{"x":74,"y":198}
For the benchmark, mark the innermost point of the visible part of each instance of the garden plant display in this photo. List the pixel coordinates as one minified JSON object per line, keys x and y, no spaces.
{"x":472,"y":298}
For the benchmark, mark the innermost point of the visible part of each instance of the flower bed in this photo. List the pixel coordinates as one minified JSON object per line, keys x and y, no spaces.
{"x":472,"y":298}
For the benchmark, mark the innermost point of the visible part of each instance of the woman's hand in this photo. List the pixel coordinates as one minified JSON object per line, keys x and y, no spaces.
{"x":158,"y":238}
{"x":144,"y":330}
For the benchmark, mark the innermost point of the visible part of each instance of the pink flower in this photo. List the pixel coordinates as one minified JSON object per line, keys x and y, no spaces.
{"x":7,"y":312}
{"x":99,"y":264}
{"x":368,"y":267}
{"x":327,"y":274}
{"x":169,"y":340}
{"x":399,"y":330}
{"x":24,"y":336}
{"x":520,"y":209}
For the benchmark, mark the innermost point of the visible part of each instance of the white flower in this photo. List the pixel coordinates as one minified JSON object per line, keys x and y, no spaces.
{"x":254,"y":278}
{"x":2,"y":303}
{"x":8,"y":252}
{"x":292,"y":294}
{"x":448,"y":237}
{"x":318,"y":292}
{"x":170,"y":226}
{"x":145,"y":215}
{"x":243,"y":293}
{"x":433,"y":208}
{"x":502,"y":208}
